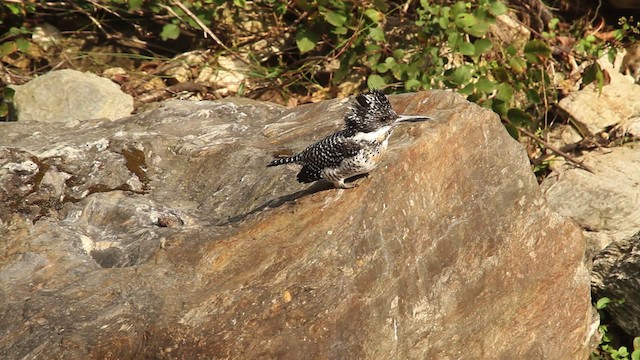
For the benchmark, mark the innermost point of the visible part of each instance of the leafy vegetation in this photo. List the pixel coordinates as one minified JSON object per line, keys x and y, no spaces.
{"x":607,"y":349}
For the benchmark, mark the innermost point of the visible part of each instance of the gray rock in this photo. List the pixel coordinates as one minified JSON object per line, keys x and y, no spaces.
{"x":615,"y":275}
{"x":605,"y":204}
{"x":164,"y":236}
{"x":69,"y":96}
{"x":594,"y":112}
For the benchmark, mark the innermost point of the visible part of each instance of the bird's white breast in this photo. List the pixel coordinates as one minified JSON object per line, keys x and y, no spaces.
{"x":377,"y":136}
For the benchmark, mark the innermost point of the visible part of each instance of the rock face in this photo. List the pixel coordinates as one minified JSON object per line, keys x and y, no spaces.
{"x":605,"y":204}
{"x":618,"y":103}
{"x":69,"y":96}
{"x":615,"y":275}
{"x":164,"y":236}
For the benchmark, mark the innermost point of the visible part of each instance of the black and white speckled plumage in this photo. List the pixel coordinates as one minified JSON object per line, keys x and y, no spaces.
{"x":355,"y":150}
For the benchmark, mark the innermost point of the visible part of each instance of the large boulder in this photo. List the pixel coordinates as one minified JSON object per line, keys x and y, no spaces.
{"x":164,"y":236}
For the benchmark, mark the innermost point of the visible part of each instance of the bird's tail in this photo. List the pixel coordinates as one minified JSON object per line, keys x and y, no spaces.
{"x":283,"y":160}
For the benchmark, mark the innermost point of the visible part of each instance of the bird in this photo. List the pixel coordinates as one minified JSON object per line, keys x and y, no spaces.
{"x":355,"y":150}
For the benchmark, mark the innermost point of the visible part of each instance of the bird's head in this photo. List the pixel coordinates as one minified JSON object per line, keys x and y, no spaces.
{"x":372,"y":110}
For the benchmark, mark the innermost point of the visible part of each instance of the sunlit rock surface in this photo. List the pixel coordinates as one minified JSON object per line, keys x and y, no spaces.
{"x":71,"y":96}
{"x":164,"y":235}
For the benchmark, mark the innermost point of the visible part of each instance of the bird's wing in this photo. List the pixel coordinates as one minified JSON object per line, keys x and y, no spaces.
{"x":326,"y":153}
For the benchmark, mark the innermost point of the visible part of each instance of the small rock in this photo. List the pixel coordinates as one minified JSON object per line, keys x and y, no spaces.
{"x":46,"y":35}
{"x":510,"y":31}
{"x":595,"y":111}
{"x":70,"y":95}
{"x":564,"y":137}
{"x":231,"y":74}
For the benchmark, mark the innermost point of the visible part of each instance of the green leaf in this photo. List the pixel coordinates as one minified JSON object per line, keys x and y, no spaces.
{"x":339,"y":30}
{"x":499,"y":106}
{"x":7,"y":94}
{"x":593,"y":73}
{"x":334,"y":18}
{"x":135,"y":4}
{"x":519,"y":117}
{"x":412,"y":84}
{"x":374,"y":59}
{"x":376,"y":33}
{"x":15,"y":8}
{"x":22,"y":44}
{"x":635,"y":355}
{"x":465,"y":20}
{"x":505,"y":92}
{"x":602,"y":303}
{"x":375,"y":81}
{"x":306,"y":40}
{"x":374,"y":15}
{"x":17,"y":31}
{"x":399,"y":70}
{"x":484,"y":85}
{"x":4,"y":110}
{"x":477,"y":30}
{"x":535,"y":49}
{"x":461,"y":75}
{"x":482,"y":45}
{"x":501,"y":74}
{"x":513,"y":131}
{"x":398,"y":54}
{"x":497,"y":8}
{"x":7,"y":48}
{"x":381,"y":5}
{"x":458,"y":8}
{"x":467,"y":90}
{"x":475,"y":97}
{"x":382,"y":68}
{"x":518,"y":65}
{"x":454,"y":39}
{"x":533,"y":96}
{"x":443,"y":22}
{"x":467,"y":49}
{"x":622,"y":351}
{"x":170,"y":31}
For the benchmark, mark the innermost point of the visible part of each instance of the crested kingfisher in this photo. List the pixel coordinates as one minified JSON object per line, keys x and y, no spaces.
{"x":355,"y":150}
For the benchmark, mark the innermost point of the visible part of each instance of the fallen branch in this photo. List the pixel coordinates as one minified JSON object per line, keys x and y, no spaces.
{"x":167,"y":92}
{"x":208,"y":31}
{"x":554,"y":149}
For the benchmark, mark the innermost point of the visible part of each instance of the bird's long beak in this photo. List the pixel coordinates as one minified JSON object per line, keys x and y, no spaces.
{"x":412,"y":118}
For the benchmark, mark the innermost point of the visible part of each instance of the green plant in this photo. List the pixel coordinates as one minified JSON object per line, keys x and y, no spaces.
{"x":606,"y":350}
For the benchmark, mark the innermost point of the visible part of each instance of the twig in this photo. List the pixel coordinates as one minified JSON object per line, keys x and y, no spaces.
{"x":93,"y":20}
{"x":570,"y":158}
{"x":172,"y":90}
{"x":597,"y":11}
{"x":405,"y":8}
{"x":208,"y":31}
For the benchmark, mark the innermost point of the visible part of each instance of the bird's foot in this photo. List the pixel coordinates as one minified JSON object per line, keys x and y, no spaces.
{"x":341,"y":185}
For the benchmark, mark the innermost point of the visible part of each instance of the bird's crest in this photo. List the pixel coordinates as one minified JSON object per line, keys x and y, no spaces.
{"x":370,"y":111}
